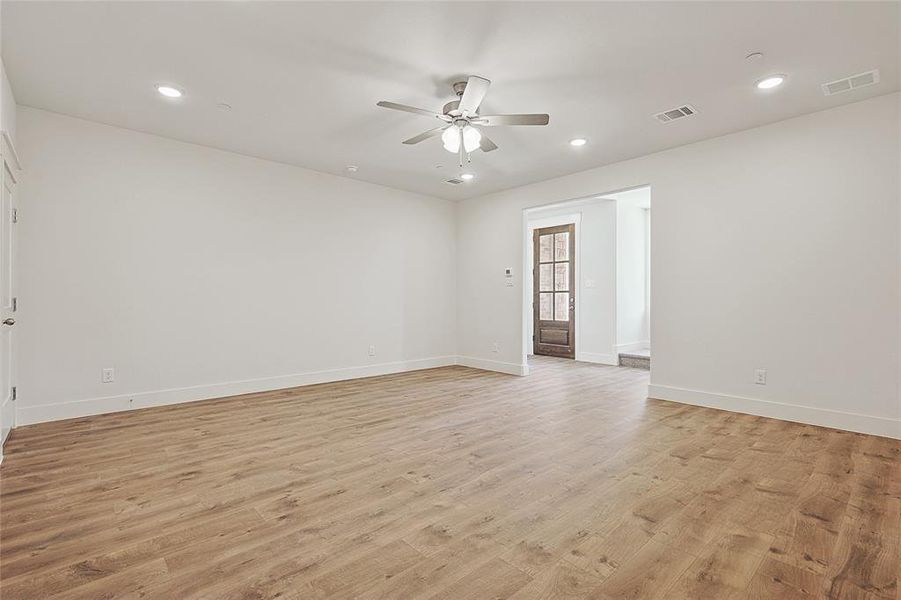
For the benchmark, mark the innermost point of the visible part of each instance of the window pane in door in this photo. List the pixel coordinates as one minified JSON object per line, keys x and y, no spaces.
{"x":546,"y":278}
{"x":561,"y":276}
{"x":561,"y":246}
{"x":546,"y":309}
{"x":561,"y":307}
{"x":545,"y":248}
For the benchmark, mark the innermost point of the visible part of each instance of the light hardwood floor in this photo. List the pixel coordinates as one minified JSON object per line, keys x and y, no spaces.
{"x":450,"y":483}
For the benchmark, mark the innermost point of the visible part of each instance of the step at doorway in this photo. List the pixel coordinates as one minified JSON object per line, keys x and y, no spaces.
{"x":639,"y":358}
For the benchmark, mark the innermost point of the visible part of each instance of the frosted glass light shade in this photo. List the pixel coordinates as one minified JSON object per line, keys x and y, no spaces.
{"x":451,"y":139}
{"x":471,"y":138}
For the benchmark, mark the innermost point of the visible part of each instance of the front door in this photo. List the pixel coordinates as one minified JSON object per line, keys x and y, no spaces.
{"x":554,"y":295}
{"x":7,"y":300}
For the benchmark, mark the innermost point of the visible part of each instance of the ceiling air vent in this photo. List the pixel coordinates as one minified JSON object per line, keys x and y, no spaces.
{"x":454,"y":181}
{"x":851,"y":83}
{"x":675,"y":113}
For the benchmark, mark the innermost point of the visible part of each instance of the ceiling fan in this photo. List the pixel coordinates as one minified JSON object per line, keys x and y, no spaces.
{"x":459,"y":133}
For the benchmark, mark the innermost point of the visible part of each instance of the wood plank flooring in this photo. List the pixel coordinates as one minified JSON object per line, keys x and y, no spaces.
{"x":453,"y":484}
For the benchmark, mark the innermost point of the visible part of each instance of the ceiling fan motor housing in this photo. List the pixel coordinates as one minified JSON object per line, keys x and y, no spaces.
{"x":452,"y":108}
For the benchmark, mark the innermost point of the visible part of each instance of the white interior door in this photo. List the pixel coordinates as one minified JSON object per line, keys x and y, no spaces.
{"x":8,"y":307}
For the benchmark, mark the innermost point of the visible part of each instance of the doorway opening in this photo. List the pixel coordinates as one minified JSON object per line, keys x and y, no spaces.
{"x":586,"y":287}
{"x":633,"y":277}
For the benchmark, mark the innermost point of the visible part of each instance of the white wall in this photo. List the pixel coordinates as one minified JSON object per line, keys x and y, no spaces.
{"x":632,"y":315}
{"x":595,"y":312}
{"x":189,"y":269}
{"x":199,"y":273}
{"x":776,"y":248}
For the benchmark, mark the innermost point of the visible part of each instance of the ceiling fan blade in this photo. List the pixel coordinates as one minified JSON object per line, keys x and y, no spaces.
{"x":409,"y":109}
{"x":492,"y":120}
{"x":476,"y":88}
{"x":426,"y":135}
{"x":487,"y":145}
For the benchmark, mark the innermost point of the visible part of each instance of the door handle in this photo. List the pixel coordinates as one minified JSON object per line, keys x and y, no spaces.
{"x":9,"y":322}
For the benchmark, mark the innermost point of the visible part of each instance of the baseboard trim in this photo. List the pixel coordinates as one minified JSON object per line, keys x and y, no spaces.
{"x":822,"y":417}
{"x":43,"y":413}
{"x":632,"y":346}
{"x":601,"y":359}
{"x":493,"y":365}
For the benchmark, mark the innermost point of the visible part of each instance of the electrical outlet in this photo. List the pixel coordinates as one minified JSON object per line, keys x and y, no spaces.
{"x":371,"y":350}
{"x":495,"y":347}
{"x":108,"y":375}
{"x":760,"y":376}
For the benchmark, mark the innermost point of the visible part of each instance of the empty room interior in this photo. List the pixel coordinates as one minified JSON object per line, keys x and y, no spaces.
{"x":450,"y":300}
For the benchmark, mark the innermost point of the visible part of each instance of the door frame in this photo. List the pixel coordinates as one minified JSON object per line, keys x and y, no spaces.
{"x":568,"y":351}
{"x":9,"y":163}
{"x":530,"y":225}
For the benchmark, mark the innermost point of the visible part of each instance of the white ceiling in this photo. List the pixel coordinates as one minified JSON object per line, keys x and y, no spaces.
{"x":303,"y":78}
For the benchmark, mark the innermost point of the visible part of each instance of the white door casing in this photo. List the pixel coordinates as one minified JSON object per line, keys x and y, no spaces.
{"x":8,"y":302}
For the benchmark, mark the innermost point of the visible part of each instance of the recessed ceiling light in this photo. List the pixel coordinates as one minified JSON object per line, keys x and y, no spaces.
{"x":224,"y":106}
{"x":467,"y":176}
{"x":169,"y":91}
{"x":768,"y":83}
{"x":352,"y":168}
{"x":578,"y":142}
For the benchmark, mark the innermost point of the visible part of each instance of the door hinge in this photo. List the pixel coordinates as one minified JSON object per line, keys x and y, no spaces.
{"x":14,"y":393}
{"x":15,"y":304}
{"x":15,"y":215}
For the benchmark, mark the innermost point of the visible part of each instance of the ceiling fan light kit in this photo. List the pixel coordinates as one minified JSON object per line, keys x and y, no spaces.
{"x":469,"y":135}
{"x":460,"y":134}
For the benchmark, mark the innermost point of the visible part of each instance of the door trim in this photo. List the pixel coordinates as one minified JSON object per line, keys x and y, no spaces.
{"x":8,"y":149}
{"x":534,"y":219}
{"x":9,"y":167}
{"x":8,"y":308}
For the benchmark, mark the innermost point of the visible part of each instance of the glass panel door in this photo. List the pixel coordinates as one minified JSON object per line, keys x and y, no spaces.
{"x":554,"y":293}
